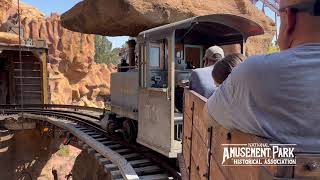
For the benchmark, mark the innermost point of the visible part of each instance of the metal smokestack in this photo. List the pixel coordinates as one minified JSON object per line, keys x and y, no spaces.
{"x":131,"y":55}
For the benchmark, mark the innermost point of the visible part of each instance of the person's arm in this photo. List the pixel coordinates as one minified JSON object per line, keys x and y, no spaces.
{"x":232,"y":104}
{"x":193,"y":78}
{"x":196,"y":83}
{"x":219,"y":105}
{"x":229,"y":103}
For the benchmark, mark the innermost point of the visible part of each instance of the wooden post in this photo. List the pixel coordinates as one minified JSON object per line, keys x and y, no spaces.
{"x":44,"y":78}
{"x":42,"y":56}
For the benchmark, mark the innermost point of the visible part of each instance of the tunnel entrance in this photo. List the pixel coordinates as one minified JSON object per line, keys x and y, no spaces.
{"x":23,"y":80}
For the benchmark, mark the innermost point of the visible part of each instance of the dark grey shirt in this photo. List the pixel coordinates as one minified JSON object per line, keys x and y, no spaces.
{"x":201,"y":81}
{"x":276,"y":96}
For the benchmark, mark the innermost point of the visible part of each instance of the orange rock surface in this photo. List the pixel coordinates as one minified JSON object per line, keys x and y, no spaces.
{"x":74,"y":77}
{"x":9,"y":38}
{"x":4,"y":7}
{"x":115,"y":18}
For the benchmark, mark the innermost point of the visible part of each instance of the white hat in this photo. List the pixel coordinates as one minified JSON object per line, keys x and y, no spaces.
{"x":213,"y":50}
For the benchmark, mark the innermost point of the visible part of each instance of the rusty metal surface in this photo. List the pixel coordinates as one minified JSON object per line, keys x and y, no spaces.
{"x":124,"y":90}
{"x":238,"y":26}
{"x":156,"y":125}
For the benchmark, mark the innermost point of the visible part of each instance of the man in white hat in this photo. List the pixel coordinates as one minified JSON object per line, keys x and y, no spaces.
{"x":201,"y":80}
{"x":278,"y":96}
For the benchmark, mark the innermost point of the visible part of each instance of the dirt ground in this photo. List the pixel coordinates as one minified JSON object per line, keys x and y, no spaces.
{"x":62,"y":162}
{"x":29,"y":154}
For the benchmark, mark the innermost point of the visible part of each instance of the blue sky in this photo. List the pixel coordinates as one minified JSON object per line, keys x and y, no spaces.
{"x":270,"y":14}
{"x":60,"y":6}
{"x":48,"y":6}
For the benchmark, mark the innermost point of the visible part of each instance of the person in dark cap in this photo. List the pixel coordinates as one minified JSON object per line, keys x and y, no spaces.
{"x":222,"y":69}
{"x":200,"y":79}
{"x":124,"y":66}
{"x":277,"y":96}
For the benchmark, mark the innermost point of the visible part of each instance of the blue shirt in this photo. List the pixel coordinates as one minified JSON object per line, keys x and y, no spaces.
{"x":201,"y":81}
{"x":275,"y":96}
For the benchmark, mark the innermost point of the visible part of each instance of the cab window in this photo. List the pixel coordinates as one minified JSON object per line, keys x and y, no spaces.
{"x":154,"y":55}
{"x":154,"y":72}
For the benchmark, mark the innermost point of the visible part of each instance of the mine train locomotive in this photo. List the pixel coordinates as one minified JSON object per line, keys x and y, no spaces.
{"x":147,"y":100}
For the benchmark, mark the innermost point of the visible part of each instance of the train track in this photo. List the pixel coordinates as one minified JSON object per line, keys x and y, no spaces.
{"x":120,"y":159}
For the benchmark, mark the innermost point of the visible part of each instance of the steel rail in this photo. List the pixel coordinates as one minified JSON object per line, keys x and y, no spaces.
{"x":30,"y":110}
{"x":155,"y":160}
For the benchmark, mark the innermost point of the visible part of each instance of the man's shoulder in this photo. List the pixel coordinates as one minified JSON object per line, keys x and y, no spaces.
{"x":260,"y":67}
{"x":268,"y":58}
{"x":268,"y":62}
{"x":201,"y":81}
{"x":202,"y":74}
{"x":202,"y":70}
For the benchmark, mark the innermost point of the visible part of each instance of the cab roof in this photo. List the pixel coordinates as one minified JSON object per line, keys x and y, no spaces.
{"x":216,"y":28}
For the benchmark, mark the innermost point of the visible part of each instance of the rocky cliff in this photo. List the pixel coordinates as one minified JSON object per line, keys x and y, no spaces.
{"x":129,"y":17}
{"x":74,"y":78}
{"x":4,"y":7}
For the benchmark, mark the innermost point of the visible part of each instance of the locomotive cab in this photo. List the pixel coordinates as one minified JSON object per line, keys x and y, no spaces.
{"x":152,"y":95}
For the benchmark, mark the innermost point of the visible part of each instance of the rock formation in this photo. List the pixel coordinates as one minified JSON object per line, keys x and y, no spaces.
{"x":74,"y":78}
{"x":4,"y":7}
{"x":9,"y":38}
{"x":129,"y":17}
{"x":30,"y":154}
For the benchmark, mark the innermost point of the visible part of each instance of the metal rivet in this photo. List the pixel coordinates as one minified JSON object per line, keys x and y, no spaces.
{"x":312,"y":166}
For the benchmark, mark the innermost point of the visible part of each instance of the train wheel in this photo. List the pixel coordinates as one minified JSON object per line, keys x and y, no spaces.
{"x":129,"y":131}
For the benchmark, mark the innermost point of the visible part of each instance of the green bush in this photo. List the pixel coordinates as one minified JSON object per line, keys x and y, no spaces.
{"x":274,"y":48}
{"x":63,"y":151}
{"x":104,"y":51}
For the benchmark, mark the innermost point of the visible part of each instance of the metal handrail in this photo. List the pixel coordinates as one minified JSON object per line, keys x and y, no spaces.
{"x":272,"y":4}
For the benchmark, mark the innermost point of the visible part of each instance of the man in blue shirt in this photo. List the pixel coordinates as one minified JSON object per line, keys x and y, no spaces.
{"x":201,"y":80}
{"x":278,"y":96}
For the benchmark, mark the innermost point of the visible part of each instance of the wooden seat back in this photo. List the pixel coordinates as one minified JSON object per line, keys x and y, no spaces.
{"x":202,"y":150}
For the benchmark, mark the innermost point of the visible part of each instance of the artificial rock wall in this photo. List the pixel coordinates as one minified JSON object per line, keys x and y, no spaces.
{"x":74,"y":77}
{"x":129,"y":17}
